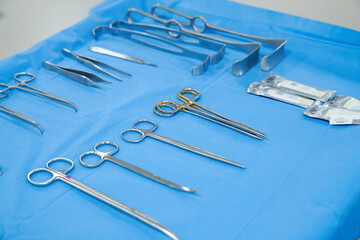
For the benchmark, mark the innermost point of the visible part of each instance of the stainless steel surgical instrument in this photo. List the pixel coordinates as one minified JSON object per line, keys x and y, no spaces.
{"x":138,"y":37}
{"x":82,"y":77}
{"x":219,"y":48}
{"x":150,"y":133}
{"x":106,"y":156}
{"x":190,"y":106}
{"x":92,"y":63}
{"x":239,"y":67}
{"x":22,"y":85}
{"x":20,"y":116}
{"x":266,"y":63}
{"x":62,"y":175}
{"x":119,"y":55}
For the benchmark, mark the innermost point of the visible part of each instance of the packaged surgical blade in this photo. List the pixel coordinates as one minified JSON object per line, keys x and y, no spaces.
{"x":333,"y":114}
{"x":279,"y":94}
{"x":350,"y":103}
{"x":304,"y":90}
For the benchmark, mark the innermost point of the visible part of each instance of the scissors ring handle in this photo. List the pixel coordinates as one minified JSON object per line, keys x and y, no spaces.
{"x":160,"y":108}
{"x":133,"y":130}
{"x":41,"y":183}
{"x":94,"y":153}
{"x":19,"y":74}
{"x":192,"y":91}
{"x":106,"y":143}
{"x":138,"y":122}
{"x":202,"y":23}
{"x":60,"y":159}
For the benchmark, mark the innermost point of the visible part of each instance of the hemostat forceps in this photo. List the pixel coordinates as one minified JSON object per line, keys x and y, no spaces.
{"x":190,"y":106}
{"x":239,"y":67}
{"x":20,"y":116}
{"x":61,"y":175}
{"x":219,"y":48}
{"x":22,"y":85}
{"x":82,"y":77}
{"x":131,"y":35}
{"x":150,"y":133}
{"x":266,"y":63}
{"x":92,"y":63}
{"x":106,"y":156}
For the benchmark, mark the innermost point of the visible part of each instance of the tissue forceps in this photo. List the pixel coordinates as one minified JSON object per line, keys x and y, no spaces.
{"x":20,"y":116}
{"x":150,"y":133}
{"x":190,"y":106}
{"x":62,"y":175}
{"x":266,"y":63}
{"x":239,"y":67}
{"x":106,"y":156}
{"x":92,"y":63}
{"x":22,"y":85}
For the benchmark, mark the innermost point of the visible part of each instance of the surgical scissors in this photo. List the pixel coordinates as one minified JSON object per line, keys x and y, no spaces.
{"x":190,"y":106}
{"x":20,"y":116}
{"x":106,"y":156}
{"x":267,"y":62}
{"x":150,"y":133}
{"x":62,"y":175}
{"x":22,"y":85}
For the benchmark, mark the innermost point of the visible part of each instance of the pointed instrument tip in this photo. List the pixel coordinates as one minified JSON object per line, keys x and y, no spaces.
{"x":151,"y":64}
{"x":186,"y":189}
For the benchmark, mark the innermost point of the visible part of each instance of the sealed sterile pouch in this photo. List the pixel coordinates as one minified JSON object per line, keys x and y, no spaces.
{"x":304,"y":90}
{"x":279,"y":94}
{"x":350,"y":103}
{"x":336,"y":116}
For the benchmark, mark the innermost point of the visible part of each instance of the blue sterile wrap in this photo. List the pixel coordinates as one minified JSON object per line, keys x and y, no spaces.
{"x":300,"y":183}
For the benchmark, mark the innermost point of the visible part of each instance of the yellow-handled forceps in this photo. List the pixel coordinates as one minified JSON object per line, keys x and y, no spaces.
{"x":169,"y":108}
{"x":62,"y":175}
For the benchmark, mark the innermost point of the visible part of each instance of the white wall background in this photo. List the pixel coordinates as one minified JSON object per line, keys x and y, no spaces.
{"x":23,"y":23}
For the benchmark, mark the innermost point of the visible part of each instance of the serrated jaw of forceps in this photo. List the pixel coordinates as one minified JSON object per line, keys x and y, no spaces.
{"x":219,"y":48}
{"x":196,"y":70}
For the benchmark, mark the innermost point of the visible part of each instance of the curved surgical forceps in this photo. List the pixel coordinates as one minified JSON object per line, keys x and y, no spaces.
{"x":266,"y":63}
{"x":190,"y":106}
{"x":106,"y":156}
{"x":150,"y":133}
{"x":62,"y":175}
{"x":22,"y":85}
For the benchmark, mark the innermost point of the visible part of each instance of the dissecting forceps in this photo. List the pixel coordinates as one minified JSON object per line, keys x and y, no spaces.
{"x":219,"y":48}
{"x":267,"y":62}
{"x":22,"y":85}
{"x":20,"y":116}
{"x":119,"y":55}
{"x":190,"y":106}
{"x":82,"y":77}
{"x":92,"y":63}
{"x":106,"y":156}
{"x":239,"y":67}
{"x":61,"y":175}
{"x":129,"y":34}
{"x":150,"y":133}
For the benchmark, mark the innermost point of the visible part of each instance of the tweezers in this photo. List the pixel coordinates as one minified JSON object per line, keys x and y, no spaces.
{"x":93,"y":63}
{"x":82,"y":77}
{"x":219,"y":48}
{"x":129,"y":34}
{"x":239,"y":67}
{"x":20,"y":116}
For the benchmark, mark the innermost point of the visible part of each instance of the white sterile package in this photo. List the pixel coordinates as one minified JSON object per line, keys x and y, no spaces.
{"x":350,"y":103}
{"x":261,"y":89}
{"x":336,"y":116}
{"x":304,"y":90}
